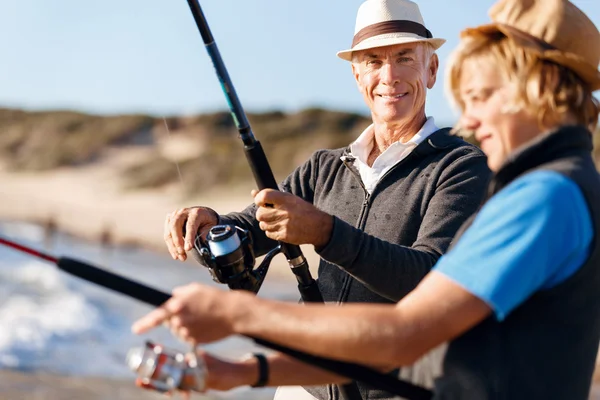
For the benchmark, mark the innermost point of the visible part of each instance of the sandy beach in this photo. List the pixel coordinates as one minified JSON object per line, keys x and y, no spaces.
{"x":42,"y":386}
{"x":24,"y":386}
{"x":88,"y":202}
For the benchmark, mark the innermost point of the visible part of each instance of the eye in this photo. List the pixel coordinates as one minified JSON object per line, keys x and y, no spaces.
{"x":374,"y":62}
{"x":479,"y":96}
{"x":405,"y":59}
{"x":484,"y":95}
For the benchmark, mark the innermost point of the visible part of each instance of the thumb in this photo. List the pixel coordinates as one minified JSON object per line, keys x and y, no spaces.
{"x":196,"y":221}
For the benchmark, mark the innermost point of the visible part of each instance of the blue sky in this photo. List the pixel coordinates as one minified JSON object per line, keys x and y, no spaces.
{"x":121,"y":56}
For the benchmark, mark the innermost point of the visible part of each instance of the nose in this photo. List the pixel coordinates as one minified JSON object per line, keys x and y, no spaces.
{"x":389,"y":73}
{"x":468,"y":123}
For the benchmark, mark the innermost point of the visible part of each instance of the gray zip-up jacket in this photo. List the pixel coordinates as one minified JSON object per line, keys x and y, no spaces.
{"x":384,"y":243}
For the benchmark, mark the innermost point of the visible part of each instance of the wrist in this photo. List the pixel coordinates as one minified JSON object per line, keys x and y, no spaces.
{"x":215,"y":215}
{"x":325,"y":229}
{"x":255,"y":370}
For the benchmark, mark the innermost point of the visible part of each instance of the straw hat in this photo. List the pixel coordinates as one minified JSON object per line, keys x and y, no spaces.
{"x":388,"y":22}
{"x":558,"y":30}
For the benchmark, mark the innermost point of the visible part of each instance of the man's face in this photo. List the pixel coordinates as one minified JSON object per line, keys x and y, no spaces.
{"x":394,"y":80}
{"x":485,"y":95}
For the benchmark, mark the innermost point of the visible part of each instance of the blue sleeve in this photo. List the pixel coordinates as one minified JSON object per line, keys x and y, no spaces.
{"x":532,"y":235}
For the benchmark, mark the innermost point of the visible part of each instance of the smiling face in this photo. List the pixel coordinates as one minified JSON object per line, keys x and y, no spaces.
{"x":484,"y":94}
{"x":394,"y":80}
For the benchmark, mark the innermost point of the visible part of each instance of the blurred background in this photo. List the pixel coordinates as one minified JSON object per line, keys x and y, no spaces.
{"x":111,"y":116}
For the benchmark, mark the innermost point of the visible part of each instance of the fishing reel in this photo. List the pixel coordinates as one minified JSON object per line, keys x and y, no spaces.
{"x":166,"y":370}
{"x":228,"y":254}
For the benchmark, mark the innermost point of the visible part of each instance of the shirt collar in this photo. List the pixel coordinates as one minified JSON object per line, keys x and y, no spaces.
{"x":362,"y":146}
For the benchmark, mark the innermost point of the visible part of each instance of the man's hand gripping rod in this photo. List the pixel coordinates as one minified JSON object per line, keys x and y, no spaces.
{"x":254,"y":153}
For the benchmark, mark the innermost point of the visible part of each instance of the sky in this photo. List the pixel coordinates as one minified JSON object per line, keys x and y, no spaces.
{"x":146,"y":56}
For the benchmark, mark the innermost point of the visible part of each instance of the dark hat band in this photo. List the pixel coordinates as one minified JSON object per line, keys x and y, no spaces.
{"x":396,"y":26}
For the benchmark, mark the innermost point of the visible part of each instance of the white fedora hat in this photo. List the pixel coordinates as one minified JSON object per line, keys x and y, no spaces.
{"x":388,"y":22}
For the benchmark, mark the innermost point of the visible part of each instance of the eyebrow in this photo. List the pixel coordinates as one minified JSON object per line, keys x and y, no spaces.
{"x":400,"y":53}
{"x":486,"y":91}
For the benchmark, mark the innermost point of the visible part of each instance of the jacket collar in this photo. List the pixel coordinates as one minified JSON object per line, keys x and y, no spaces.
{"x":553,"y":145}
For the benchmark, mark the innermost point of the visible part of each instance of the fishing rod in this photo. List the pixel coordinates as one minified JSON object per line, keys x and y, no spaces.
{"x":155,"y":297}
{"x":261,"y":170}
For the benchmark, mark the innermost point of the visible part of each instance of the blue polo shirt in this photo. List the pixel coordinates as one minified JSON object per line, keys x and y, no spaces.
{"x":530,"y":236}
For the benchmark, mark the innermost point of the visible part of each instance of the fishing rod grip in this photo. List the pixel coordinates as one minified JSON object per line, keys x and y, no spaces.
{"x":310,"y":293}
{"x":263,"y":175}
{"x":113,"y":281}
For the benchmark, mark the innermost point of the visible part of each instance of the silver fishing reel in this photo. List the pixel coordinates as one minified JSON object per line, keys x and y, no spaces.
{"x":166,"y":370}
{"x":227,"y":253}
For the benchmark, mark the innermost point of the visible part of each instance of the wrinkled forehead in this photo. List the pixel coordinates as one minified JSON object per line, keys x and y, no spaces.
{"x":415,"y":49}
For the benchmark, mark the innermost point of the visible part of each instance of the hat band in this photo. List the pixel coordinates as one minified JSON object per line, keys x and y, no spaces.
{"x":527,"y":37}
{"x":396,"y":26}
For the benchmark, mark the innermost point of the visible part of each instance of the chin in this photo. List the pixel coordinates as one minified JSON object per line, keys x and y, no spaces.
{"x":393,"y":116}
{"x":495,"y":162}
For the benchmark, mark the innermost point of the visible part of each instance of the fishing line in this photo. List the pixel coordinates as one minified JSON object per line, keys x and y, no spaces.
{"x":175,"y":161}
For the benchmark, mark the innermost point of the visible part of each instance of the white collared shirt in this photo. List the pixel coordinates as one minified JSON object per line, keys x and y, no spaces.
{"x":361,"y":148}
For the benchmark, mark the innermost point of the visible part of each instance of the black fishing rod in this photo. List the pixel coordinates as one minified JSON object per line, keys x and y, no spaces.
{"x":263,"y":175}
{"x":154,"y":297}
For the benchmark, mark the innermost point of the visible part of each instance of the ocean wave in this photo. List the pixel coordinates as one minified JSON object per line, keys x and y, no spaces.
{"x":51,"y":321}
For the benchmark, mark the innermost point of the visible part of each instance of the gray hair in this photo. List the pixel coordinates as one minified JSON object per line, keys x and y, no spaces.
{"x":429,"y":51}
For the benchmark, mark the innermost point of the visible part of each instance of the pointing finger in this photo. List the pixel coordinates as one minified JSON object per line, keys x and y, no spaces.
{"x":151,"y":320}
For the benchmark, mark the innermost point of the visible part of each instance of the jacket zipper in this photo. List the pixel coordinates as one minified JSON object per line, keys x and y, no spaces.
{"x":348,"y":161}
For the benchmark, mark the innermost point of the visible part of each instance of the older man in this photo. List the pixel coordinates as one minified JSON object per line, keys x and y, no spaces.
{"x":381,"y":212}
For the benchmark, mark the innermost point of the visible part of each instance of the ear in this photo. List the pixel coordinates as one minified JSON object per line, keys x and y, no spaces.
{"x":356,"y":73}
{"x":434,"y":64}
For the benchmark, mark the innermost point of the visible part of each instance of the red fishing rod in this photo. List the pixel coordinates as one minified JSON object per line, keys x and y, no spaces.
{"x":96,"y":275}
{"x":154,"y":297}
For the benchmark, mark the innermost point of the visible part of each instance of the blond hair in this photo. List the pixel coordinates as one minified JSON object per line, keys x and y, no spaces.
{"x":552,"y":92}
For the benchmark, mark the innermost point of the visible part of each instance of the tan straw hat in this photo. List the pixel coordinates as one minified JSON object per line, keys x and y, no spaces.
{"x":388,"y":22}
{"x":558,"y":30}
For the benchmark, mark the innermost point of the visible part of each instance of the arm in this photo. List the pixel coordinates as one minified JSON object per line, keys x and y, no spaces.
{"x":399,"y":268}
{"x":283,"y":371}
{"x":386,"y":335}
